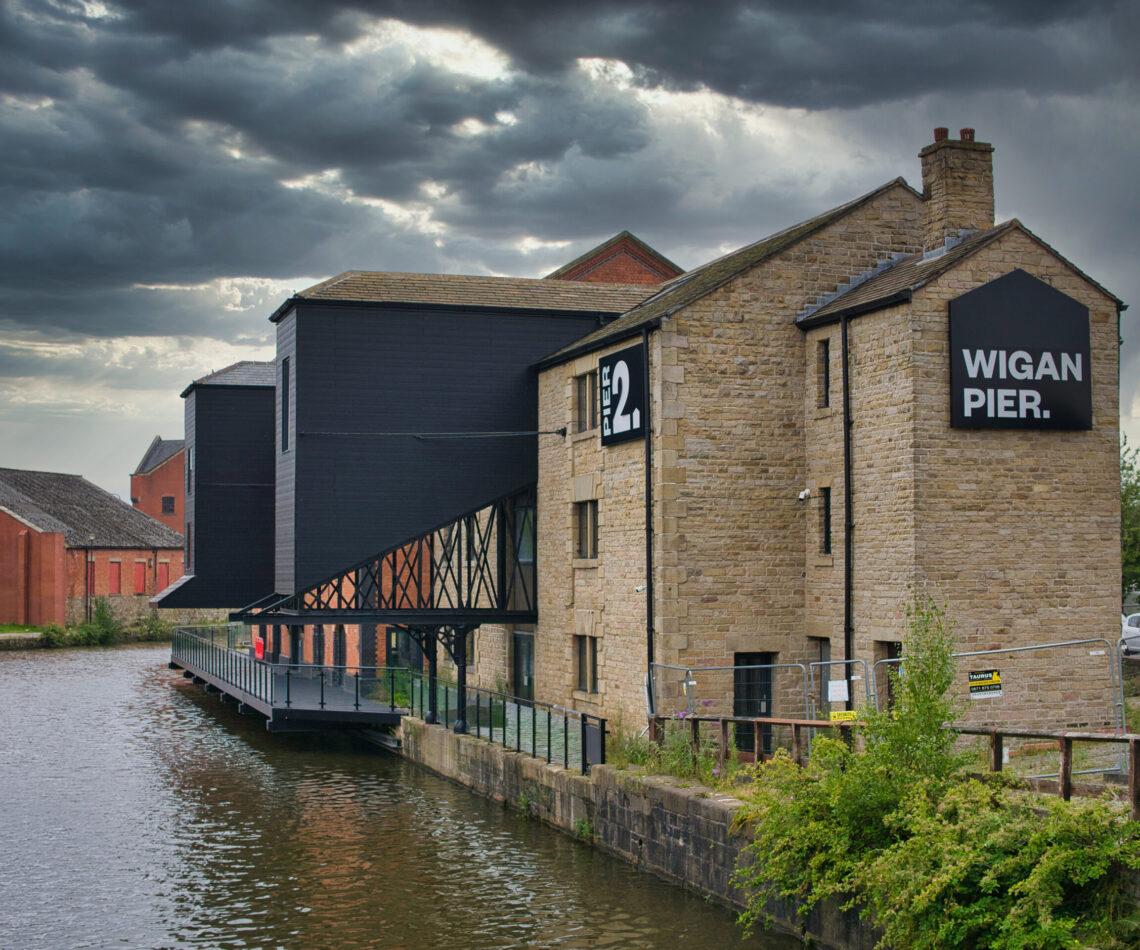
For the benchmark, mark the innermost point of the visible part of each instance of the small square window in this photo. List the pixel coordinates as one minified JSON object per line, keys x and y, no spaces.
{"x":168,"y":504}
{"x":586,"y":528}
{"x":586,"y":401}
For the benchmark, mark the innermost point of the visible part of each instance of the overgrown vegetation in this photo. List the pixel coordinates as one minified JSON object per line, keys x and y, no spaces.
{"x":933,"y":858}
{"x":675,"y":755}
{"x":104,"y":629}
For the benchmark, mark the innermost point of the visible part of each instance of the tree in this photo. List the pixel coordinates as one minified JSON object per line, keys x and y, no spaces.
{"x":1129,"y":516}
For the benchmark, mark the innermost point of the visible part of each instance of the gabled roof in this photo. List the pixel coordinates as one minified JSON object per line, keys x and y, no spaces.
{"x":703,"y":280}
{"x":161,"y":450}
{"x":243,"y":373}
{"x":897,"y":281}
{"x":652,"y":261}
{"x":86,"y":514}
{"x":461,"y":291}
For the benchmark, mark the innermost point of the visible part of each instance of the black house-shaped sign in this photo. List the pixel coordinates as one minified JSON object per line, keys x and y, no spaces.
{"x":1019,"y":357}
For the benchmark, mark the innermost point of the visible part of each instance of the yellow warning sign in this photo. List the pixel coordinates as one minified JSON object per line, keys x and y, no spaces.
{"x":844,"y":715}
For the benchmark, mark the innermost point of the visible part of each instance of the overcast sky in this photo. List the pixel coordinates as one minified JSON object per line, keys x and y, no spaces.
{"x":171,"y":171}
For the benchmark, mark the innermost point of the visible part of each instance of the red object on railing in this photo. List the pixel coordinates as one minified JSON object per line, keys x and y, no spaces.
{"x":258,"y":648}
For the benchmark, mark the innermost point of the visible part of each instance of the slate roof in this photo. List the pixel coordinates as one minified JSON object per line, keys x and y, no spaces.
{"x":53,"y":502}
{"x":244,"y":373}
{"x":457,"y":290}
{"x":624,"y":238}
{"x":896,"y":281}
{"x":692,"y":285}
{"x":161,"y":450}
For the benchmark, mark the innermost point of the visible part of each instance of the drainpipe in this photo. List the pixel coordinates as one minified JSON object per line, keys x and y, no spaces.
{"x":648,"y":515}
{"x":848,"y":523}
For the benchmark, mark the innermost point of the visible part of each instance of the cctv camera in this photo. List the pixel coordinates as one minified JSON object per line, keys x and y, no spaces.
{"x":805,"y":494}
{"x":639,"y":588}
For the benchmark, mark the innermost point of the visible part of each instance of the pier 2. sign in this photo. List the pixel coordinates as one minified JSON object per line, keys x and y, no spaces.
{"x":1019,"y":357}
{"x":621,"y":380}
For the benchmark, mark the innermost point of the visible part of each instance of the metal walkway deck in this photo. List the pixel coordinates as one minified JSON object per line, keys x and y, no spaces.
{"x":292,"y":697}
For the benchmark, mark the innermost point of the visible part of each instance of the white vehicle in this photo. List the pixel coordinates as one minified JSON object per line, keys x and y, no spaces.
{"x":1130,"y":634}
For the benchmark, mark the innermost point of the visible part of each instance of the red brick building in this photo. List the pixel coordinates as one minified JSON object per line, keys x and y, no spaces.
{"x":65,"y":542}
{"x":623,"y":259}
{"x":158,"y":485}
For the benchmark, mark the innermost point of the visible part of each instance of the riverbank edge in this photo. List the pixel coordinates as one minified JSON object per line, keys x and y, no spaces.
{"x":682,"y":833}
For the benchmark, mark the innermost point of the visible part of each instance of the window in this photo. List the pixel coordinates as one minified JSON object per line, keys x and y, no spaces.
{"x":586,"y":649}
{"x":285,"y":404}
{"x":319,"y":645}
{"x":190,"y":470}
{"x":140,"y":577}
{"x":586,"y":401}
{"x":189,"y":547}
{"x":168,"y":504}
{"x":586,"y":525}
{"x":115,"y":578}
{"x":825,"y":521}
{"x":823,"y":373}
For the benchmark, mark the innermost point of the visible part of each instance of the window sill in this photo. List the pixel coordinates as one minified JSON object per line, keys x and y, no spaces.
{"x":590,"y":699}
{"x":822,"y":412}
{"x":584,"y":434}
{"x":584,"y":563}
{"x":823,"y":560}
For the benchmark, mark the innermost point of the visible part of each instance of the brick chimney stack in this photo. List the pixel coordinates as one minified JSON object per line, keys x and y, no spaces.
{"x":957,"y":186}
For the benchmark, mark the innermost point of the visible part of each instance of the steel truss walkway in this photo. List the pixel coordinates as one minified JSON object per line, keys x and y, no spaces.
{"x":438,"y":587}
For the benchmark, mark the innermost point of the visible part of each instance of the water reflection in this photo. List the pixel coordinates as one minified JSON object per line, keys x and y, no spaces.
{"x":143,"y":813}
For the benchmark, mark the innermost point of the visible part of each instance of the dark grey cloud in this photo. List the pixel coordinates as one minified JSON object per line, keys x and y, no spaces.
{"x":180,"y":145}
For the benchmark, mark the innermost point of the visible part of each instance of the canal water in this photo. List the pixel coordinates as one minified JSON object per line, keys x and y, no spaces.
{"x":138,"y":812}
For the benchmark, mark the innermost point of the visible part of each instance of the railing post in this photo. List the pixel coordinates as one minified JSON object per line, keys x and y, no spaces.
{"x":1066,"y":777}
{"x":549,"y":716}
{"x":582,"y":751}
{"x":997,"y":754}
{"x":322,"y":687}
{"x":602,"y":733}
{"x":695,"y":733}
{"x":391,"y":689}
{"x":1134,"y":777}
{"x":433,"y":696}
{"x":797,"y":750}
{"x":356,"y":690}
{"x":288,"y":687}
{"x":533,"y":729}
{"x":722,"y":748}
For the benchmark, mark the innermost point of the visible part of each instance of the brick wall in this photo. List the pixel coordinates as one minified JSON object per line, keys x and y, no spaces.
{"x":166,"y":481}
{"x":126,"y":604}
{"x":31,"y":574}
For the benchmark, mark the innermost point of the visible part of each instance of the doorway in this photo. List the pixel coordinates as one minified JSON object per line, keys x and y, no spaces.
{"x":752,"y":697}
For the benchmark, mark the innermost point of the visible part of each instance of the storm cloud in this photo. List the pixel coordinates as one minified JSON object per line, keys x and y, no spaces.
{"x":172,"y":171}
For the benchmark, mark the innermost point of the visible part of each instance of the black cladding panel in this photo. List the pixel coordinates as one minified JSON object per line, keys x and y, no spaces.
{"x":232,"y":506}
{"x":383,"y":395}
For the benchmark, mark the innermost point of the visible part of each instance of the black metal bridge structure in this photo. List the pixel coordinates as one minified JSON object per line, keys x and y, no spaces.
{"x":437,"y":587}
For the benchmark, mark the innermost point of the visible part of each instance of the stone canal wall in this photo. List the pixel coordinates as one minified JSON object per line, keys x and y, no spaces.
{"x":681,"y":833}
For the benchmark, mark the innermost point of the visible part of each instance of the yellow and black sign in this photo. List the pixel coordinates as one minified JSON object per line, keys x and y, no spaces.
{"x":985,"y":684}
{"x":844,"y":715}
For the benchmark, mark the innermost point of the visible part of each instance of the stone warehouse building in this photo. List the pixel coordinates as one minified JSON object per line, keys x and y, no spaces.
{"x":731,"y":478}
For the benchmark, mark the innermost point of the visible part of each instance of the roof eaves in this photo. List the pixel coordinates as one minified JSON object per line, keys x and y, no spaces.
{"x":573,"y":352}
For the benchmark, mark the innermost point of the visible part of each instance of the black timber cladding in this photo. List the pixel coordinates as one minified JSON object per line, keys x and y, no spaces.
{"x":379,"y":396}
{"x":230,"y":505}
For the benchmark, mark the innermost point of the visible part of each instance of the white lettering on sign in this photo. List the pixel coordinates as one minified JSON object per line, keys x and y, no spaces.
{"x":1000,"y":364}
{"x":1003,"y":403}
{"x":623,"y":421}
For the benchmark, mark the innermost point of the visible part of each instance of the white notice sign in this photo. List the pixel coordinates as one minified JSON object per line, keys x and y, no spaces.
{"x":837,"y":691}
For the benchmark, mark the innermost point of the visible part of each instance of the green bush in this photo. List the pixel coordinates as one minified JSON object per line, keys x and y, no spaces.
{"x":152,"y":628}
{"x":53,"y":636}
{"x":106,"y":629}
{"x":935,"y":860}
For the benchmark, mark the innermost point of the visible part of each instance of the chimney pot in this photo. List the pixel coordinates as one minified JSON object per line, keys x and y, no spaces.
{"x":967,"y":135}
{"x":941,"y":134}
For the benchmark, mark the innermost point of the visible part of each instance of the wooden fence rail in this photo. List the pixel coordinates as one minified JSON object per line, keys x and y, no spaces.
{"x":799,"y":747}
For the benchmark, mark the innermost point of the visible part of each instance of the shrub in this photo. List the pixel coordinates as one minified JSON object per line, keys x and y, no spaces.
{"x":935,"y":860}
{"x":53,"y":636}
{"x":105,"y":628}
